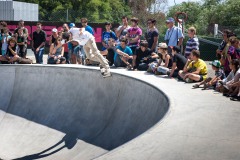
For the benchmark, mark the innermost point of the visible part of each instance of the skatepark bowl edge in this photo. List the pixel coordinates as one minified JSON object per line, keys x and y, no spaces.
{"x":63,"y":113}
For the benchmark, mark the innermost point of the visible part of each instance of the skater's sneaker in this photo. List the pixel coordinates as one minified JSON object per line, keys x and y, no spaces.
{"x":106,"y":73}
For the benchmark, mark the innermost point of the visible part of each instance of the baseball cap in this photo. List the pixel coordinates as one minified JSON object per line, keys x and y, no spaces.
{"x":72,"y":25}
{"x":162,"y":45}
{"x":216,"y":63}
{"x":170,"y":19}
{"x":54,"y":30}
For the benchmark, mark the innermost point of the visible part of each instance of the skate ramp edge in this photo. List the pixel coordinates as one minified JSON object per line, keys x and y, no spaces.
{"x":72,"y":113}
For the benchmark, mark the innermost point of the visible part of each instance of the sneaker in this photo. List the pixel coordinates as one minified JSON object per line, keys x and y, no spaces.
{"x":106,"y":73}
{"x":129,"y":66}
{"x":188,"y":80}
{"x":168,"y":73}
{"x":235,"y":98}
{"x":196,"y":86}
{"x":149,"y":70}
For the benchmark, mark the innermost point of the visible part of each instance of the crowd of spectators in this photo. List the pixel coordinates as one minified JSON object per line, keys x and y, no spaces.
{"x":128,"y":47}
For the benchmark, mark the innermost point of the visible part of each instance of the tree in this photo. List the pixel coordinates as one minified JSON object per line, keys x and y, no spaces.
{"x":94,"y":10}
{"x":192,"y":9}
{"x":203,"y":17}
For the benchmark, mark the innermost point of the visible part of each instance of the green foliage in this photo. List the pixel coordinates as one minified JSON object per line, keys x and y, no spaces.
{"x":204,"y":16}
{"x":191,"y":8}
{"x":94,"y":10}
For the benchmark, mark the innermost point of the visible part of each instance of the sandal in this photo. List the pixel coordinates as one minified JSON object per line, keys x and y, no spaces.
{"x":205,"y":86}
{"x":235,"y":98}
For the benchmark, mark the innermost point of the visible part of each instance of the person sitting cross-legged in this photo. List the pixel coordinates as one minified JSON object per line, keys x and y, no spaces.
{"x":11,"y":55}
{"x":179,"y":62}
{"x":143,"y":56}
{"x":123,"y":56}
{"x":165,"y":57}
{"x":195,"y":70}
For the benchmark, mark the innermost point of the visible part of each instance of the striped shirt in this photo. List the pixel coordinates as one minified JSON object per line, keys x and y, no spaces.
{"x":192,"y":44}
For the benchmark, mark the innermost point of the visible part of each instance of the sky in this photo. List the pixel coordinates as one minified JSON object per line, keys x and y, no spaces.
{"x":171,"y":2}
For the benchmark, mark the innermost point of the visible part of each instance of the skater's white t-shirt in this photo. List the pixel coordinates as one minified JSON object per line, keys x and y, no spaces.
{"x":74,"y":32}
{"x":84,"y":36}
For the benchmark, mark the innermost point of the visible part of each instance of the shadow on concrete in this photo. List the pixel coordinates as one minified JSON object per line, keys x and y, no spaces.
{"x":69,"y":141}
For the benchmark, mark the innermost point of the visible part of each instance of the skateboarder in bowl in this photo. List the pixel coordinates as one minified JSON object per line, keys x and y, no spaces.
{"x":87,"y":40}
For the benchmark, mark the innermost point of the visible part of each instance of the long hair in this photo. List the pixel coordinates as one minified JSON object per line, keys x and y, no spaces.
{"x":12,"y":39}
{"x":235,"y":63}
{"x":58,"y":40}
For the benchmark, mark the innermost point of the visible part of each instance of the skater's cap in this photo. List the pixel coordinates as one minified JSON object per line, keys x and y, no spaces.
{"x":215,"y":63}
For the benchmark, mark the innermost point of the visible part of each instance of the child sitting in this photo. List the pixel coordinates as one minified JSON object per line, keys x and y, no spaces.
{"x":211,"y":82}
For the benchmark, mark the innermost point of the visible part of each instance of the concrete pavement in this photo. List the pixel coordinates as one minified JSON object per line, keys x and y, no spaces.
{"x":70,"y":112}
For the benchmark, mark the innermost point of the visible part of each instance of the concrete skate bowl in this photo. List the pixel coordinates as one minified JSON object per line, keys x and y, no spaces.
{"x":63,"y":113}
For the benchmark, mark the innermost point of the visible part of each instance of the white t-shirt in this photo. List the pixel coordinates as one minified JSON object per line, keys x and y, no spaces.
{"x":84,"y":37}
{"x":75,"y":32}
{"x":123,"y":33}
{"x":5,"y":42}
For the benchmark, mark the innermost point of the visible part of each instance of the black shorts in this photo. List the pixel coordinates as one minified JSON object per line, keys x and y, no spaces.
{"x":201,"y":78}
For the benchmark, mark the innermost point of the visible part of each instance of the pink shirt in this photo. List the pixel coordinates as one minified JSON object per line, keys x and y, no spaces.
{"x":133,"y":33}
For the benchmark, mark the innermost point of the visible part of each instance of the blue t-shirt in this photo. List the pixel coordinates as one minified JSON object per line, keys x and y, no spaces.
{"x":126,"y":50}
{"x":172,"y":35}
{"x":106,"y":36}
{"x":89,"y":29}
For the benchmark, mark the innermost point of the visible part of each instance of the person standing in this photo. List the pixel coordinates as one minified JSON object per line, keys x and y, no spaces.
{"x":38,"y":43}
{"x":192,"y":43}
{"x":134,"y":34}
{"x":152,"y":35}
{"x":84,"y":22}
{"x":65,"y":28}
{"x":21,"y":43}
{"x":108,"y":41}
{"x":24,"y":35}
{"x":174,"y":35}
{"x":4,"y":42}
{"x":123,"y":29}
